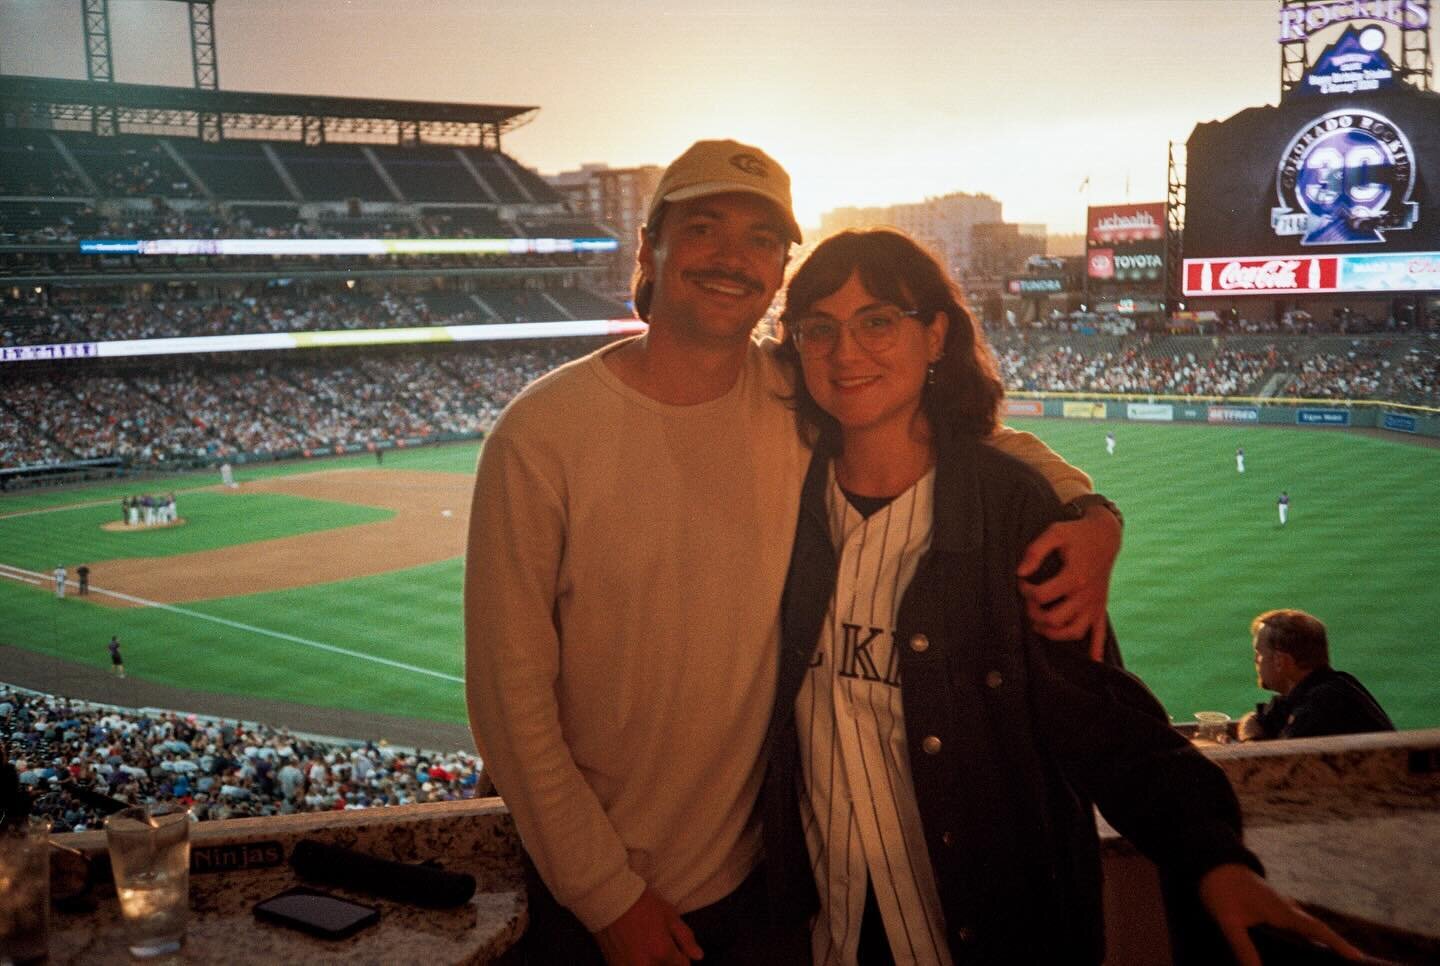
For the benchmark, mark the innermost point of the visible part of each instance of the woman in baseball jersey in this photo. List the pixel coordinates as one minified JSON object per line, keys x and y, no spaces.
{"x":932,"y":759}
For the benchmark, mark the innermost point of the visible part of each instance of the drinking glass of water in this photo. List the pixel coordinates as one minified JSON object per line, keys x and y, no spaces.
{"x":150,"y":857}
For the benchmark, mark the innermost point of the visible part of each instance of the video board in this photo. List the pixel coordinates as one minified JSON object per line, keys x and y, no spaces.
{"x":1125,"y":246}
{"x":1336,"y":193}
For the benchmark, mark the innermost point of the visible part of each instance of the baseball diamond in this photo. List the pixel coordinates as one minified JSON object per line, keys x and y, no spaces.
{"x":346,"y":596}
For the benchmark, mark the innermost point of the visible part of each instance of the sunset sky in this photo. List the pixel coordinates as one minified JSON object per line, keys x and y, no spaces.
{"x":866,"y":103}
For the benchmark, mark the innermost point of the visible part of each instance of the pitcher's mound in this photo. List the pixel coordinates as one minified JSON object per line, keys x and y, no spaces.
{"x":115,"y":526}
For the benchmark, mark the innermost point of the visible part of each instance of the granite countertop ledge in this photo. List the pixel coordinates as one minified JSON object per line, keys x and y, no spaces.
{"x":1349,"y":826}
{"x":475,"y":837}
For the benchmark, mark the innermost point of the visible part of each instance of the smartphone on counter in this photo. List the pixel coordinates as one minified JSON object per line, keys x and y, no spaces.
{"x":317,"y":913}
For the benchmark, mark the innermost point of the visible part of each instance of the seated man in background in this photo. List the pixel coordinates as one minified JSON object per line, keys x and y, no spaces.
{"x":1292,"y":658}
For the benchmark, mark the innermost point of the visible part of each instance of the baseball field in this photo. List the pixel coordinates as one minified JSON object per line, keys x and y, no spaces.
{"x":336,"y":584}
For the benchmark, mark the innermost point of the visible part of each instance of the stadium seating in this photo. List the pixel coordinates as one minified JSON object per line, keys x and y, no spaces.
{"x":234,"y":169}
{"x":584,"y":304}
{"x":466,"y":222}
{"x":129,"y":166}
{"x":31,"y":165}
{"x":562,"y":228}
{"x":431,"y":173}
{"x":333,"y":172}
{"x":47,"y":221}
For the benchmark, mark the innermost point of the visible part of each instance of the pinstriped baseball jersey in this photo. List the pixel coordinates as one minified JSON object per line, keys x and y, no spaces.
{"x":857,"y":801}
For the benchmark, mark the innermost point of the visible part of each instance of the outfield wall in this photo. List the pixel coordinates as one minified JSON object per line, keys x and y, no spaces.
{"x":1232,"y":411}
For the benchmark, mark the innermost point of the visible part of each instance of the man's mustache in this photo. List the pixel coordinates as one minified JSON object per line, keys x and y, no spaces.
{"x":731,"y":278}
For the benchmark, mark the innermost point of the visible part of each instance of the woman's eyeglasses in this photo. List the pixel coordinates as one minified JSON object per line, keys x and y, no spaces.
{"x":874,"y":330}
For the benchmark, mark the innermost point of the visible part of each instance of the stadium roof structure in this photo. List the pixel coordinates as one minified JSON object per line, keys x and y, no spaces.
{"x":112,"y":108}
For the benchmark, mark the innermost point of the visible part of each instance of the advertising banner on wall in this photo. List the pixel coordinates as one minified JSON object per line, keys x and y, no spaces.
{"x":1232,"y":414}
{"x":1154,"y":412}
{"x":1399,"y":422}
{"x":1035,"y":285}
{"x":1125,"y":244}
{"x":1307,"y":274}
{"x":1024,"y":407}
{"x":1322,"y":417}
{"x":1084,"y":410}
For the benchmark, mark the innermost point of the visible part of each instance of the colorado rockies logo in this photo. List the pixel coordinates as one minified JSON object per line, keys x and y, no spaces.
{"x":749,"y":164}
{"x":1345,"y":179}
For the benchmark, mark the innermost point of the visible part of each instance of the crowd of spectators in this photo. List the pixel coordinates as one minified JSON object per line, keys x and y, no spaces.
{"x":202,"y":408}
{"x":277,"y":311}
{"x":1341,"y":320}
{"x":142,"y":172}
{"x":177,"y":414}
{"x":218,"y":768}
{"x":247,"y":314}
{"x":1069,"y":367}
{"x":29,"y":225}
{"x":1369,"y":371}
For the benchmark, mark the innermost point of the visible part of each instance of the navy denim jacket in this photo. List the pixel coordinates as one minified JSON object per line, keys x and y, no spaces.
{"x":1030,"y":733}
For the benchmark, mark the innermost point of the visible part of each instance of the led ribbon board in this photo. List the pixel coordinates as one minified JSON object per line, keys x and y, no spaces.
{"x":345,"y":246}
{"x":260,"y":341}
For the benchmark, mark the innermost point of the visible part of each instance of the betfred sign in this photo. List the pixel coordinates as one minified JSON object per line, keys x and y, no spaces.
{"x":1262,"y":276}
{"x":1232,"y":414}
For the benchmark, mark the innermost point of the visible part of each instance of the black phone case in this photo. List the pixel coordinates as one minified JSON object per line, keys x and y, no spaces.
{"x":316,"y":913}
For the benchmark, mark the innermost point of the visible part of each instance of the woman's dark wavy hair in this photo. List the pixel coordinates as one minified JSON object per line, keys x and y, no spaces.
{"x":964,"y":398}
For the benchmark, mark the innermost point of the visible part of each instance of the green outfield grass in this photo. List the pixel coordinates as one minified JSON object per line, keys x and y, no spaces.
{"x":1204,"y":553}
{"x":39,"y":541}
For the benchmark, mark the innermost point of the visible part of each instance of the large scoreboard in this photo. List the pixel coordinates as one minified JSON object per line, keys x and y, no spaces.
{"x":1334,"y":190}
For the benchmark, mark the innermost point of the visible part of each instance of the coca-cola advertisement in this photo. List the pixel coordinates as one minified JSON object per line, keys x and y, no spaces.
{"x":1261,"y":276}
{"x":1125,"y":247}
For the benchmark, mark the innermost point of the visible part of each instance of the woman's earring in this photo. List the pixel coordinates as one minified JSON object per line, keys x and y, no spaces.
{"x":930,"y":370}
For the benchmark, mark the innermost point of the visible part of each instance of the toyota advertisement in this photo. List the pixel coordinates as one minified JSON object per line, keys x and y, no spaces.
{"x":1125,"y":247}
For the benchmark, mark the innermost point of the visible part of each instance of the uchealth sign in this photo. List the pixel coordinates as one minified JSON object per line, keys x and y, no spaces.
{"x":1124,"y":224}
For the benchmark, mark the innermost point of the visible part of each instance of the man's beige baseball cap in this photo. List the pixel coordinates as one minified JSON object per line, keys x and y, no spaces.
{"x":718,"y":167}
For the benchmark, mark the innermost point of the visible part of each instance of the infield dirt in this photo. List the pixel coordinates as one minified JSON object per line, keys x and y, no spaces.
{"x":431,"y":513}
